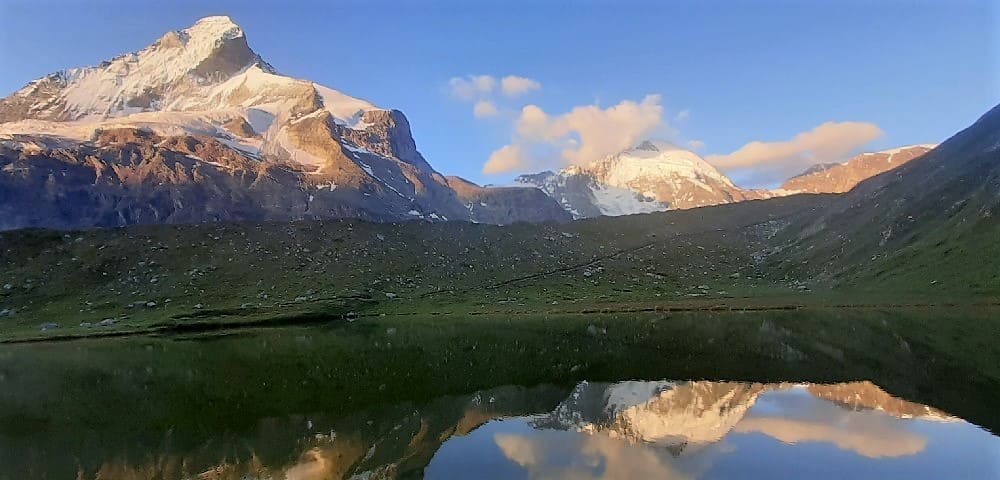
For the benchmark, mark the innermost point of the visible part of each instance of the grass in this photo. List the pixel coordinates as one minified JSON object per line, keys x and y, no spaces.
{"x":161,"y":279}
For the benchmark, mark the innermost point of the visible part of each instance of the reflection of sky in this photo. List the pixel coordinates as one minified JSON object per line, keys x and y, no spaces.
{"x":786,"y":433}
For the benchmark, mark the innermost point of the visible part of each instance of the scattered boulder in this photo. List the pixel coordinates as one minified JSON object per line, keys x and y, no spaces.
{"x":48,"y":326}
{"x":595,"y":330}
{"x":107,"y":322}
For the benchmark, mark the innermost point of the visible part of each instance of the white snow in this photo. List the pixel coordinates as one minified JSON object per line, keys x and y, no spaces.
{"x":892,"y":151}
{"x":615,"y":201}
{"x":346,"y":110}
{"x":190,"y":103}
{"x":107,"y":90}
{"x":364,"y":166}
{"x":260,"y":121}
{"x":670,"y":164}
{"x":628,"y":182}
{"x":356,"y":149}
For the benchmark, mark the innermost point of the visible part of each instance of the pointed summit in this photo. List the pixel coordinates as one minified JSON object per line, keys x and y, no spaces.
{"x":220,"y":45}
{"x":646,"y":145}
{"x":209,"y":52}
{"x":219,"y":26}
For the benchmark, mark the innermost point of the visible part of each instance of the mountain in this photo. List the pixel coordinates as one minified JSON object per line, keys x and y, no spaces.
{"x":841,"y":177}
{"x":650,"y":177}
{"x":928,"y":225}
{"x":197,"y":127}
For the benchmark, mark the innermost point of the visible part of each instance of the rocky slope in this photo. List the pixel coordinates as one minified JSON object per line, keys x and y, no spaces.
{"x":928,"y":225}
{"x":197,"y":127}
{"x":841,"y":177}
{"x":506,"y":205}
{"x":653,"y":176}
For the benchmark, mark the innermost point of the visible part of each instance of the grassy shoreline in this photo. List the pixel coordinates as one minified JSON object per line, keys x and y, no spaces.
{"x":235,"y":320}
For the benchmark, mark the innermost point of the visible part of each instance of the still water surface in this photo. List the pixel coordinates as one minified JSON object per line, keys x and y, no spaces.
{"x":689,"y":430}
{"x":543,"y":400}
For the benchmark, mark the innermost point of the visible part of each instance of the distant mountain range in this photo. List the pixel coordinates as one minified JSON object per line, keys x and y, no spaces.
{"x":657,"y":176}
{"x":651,"y":177}
{"x":197,"y":127}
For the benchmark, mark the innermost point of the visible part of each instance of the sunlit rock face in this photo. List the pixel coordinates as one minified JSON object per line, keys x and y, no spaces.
{"x":306,"y":151}
{"x":842,"y":177}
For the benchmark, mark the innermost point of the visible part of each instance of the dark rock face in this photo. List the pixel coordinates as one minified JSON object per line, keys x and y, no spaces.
{"x":231,"y":56}
{"x":506,"y":205}
{"x":130,"y":177}
{"x":388,"y":135}
{"x":22,"y":104}
{"x":574,"y":192}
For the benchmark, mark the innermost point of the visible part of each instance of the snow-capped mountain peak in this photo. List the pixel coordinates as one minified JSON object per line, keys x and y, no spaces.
{"x":218,"y":27}
{"x":200,"y":100}
{"x":655,"y":162}
{"x":651,"y":176}
{"x":176,"y":65}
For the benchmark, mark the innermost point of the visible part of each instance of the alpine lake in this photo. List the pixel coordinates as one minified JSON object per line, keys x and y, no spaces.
{"x":826,"y":393}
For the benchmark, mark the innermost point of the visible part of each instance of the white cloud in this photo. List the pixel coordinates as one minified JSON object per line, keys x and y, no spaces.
{"x":583,"y":135}
{"x":696,"y":144}
{"x":565,"y":455}
{"x":873,"y":437}
{"x":472,"y":87}
{"x":682,"y":115}
{"x":483,"y":109}
{"x":829,"y":142}
{"x":513,"y":85}
{"x":506,"y":159}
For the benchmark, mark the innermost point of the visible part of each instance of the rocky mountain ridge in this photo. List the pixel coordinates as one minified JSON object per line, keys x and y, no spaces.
{"x":198,"y":100}
{"x":657,"y":176}
{"x":842,"y":177}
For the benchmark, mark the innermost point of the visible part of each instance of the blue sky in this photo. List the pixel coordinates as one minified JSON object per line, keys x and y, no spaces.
{"x":884,"y":73}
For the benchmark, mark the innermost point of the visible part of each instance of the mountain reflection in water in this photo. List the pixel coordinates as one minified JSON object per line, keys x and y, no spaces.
{"x":702,"y":429}
{"x":632,"y":429}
